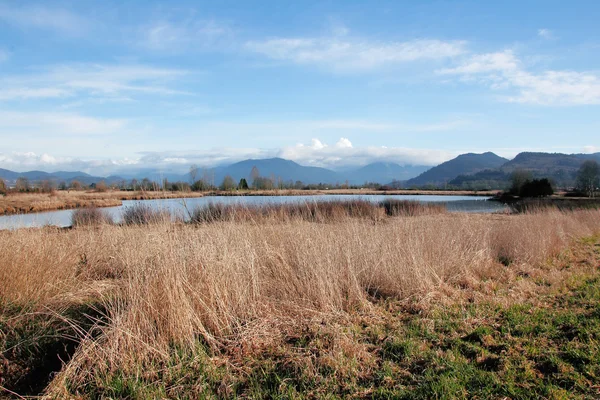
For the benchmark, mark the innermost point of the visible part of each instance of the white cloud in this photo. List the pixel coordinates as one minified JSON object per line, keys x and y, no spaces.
{"x":485,"y":63}
{"x":591,"y":149}
{"x":94,"y":80}
{"x":317,"y":153}
{"x":182,"y":35}
{"x":343,"y":154}
{"x":33,"y":93}
{"x":344,"y":143}
{"x":343,"y":53}
{"x":56,"y":19}
{"x":58,"y":124}
{"x":545,"y":33}
{"x":503,"y":70}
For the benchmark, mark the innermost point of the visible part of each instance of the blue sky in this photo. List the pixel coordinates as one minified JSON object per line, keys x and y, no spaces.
{"x":102,"y":86}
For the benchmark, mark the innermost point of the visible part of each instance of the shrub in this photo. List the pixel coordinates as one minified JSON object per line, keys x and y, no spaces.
{"x":536,"y":188}
{"x":143,"y":214}
{"x":211,"y":212}
{"x":101,"y":187}
{"x":89,"y":217}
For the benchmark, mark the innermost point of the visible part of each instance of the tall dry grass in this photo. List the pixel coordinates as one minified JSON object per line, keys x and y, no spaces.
{"x":314,"y":211}
{"x":168,"y":285}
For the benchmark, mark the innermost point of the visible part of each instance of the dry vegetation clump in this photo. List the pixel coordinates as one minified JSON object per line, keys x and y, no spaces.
{"x":89,"y":217}
{"x":144,"y":214}
{"x":396,"y":208}
{"x":551,"y":203}
{"x":314,"y":211}
{"x":212,"y":295}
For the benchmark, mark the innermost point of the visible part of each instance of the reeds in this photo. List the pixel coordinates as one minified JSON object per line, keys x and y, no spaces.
{"x":314,"y":211}
{"x":144,"y":214}
{"x":561,"y":204}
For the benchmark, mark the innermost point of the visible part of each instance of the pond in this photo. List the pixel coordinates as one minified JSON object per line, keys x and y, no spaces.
{"x":180,"y":207}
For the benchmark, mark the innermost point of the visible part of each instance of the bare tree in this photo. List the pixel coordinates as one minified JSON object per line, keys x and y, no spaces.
{"x":228,"y":183}
{"x":101,"y":186}
{"x":76,"y":185}
{"x":194,"y":173}
{"x":254,"y":175}
{"x":518,"y":178}
{"x":3,"y":188}
{"x":22,"y":184}
{"x":588,"y":177}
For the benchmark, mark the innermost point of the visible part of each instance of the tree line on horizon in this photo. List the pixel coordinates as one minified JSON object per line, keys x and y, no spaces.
{"x":522,"y":184}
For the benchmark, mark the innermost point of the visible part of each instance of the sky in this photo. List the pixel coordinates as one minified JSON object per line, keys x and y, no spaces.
{"x":103,"y":86}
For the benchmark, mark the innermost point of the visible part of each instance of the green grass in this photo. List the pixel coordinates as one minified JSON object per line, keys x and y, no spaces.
{"x":521,"y":351}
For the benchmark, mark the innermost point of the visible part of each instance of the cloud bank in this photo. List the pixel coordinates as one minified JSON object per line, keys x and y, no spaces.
{"x":339,"y":155}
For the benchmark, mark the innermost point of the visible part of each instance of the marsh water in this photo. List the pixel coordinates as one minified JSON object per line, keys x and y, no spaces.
{"x":181,"y":207}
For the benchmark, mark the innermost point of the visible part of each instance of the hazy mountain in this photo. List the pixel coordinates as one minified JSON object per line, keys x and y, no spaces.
{"x":464,"y":164}
{"x":57,"y":177}
{"x":559,"y":168}
{"x":466,"y":170}
{"x":278,"y":168}
{"x":8,"y":175}
{"x":486,"y":179}
{"x":383,"y":172}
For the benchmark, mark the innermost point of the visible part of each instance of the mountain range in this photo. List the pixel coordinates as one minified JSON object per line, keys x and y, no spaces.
{"x":469,"y":163}
{"x":558,"y":167}
{"x":286,"y":170}
{"x":471,"y":170}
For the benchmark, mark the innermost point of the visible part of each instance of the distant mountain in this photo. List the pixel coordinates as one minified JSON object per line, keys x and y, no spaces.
{"x":383,"y":172}
{"x":470,"y":170}
{"x":57,"y":177}
{"x":560,"y":168}
{"x":487,"y":179}
{"x":8,"y":175}
{"x":278,"y":168}
{"x":464,"y":164}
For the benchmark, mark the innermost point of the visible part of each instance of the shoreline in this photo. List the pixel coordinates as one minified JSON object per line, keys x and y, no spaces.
{"x":31,"y":203}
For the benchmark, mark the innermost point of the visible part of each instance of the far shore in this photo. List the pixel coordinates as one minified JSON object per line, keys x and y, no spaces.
{"x":25,"y":203}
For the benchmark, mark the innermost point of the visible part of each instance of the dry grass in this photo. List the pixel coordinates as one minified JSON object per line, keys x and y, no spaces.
{"x":231,"y":284}
{"x":89,"y":217}
{"x":322,"y":211}
{"x":23,"y":203}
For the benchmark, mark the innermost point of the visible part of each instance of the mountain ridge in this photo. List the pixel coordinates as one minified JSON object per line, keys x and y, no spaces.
{"x":462,"y":170}
{"x":464,"y":164}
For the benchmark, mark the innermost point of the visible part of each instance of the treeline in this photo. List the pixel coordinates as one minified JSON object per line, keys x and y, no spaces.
{"x":199,"y":182}
{"x":524,"y":185}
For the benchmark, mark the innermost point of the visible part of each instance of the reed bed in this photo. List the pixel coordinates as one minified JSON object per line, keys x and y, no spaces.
{"x":229,"y":283}
{"x":315,"y":211}
{"x":561,"y":204}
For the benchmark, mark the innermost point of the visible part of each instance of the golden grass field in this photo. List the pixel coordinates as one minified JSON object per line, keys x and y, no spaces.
{"x":234,"y":289}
